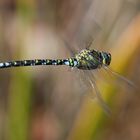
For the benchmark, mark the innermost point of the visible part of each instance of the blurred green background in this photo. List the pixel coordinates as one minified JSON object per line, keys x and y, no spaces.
{"x":47,"y":103}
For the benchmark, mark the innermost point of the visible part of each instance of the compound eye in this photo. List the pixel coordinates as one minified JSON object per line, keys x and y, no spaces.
{"x":108,"y":60}
{"x":109,"y":55}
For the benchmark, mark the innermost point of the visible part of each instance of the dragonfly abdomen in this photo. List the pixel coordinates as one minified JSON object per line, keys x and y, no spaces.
{"x":72,"y":62}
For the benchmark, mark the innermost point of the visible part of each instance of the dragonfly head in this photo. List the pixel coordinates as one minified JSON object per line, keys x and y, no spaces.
{"x":106,"y":58}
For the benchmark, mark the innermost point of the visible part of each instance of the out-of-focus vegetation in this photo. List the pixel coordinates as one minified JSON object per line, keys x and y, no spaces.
{"x":47,"y":103}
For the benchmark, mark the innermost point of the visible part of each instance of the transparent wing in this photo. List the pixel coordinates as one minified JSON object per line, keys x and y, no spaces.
{"x":92,"y":81}
{"x":81,"y":27}
{"x":119,"y":78}
{"x":88,"y":20}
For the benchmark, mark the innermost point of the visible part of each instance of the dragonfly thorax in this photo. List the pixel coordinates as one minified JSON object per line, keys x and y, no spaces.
{"x":88,"y":59}
{"x":92,"y":59}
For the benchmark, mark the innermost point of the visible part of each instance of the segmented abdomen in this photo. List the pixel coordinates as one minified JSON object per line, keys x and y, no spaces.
{"x":69,"y":62}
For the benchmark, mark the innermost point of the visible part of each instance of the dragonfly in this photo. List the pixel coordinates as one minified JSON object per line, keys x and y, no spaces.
{"x":86,"y":60}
